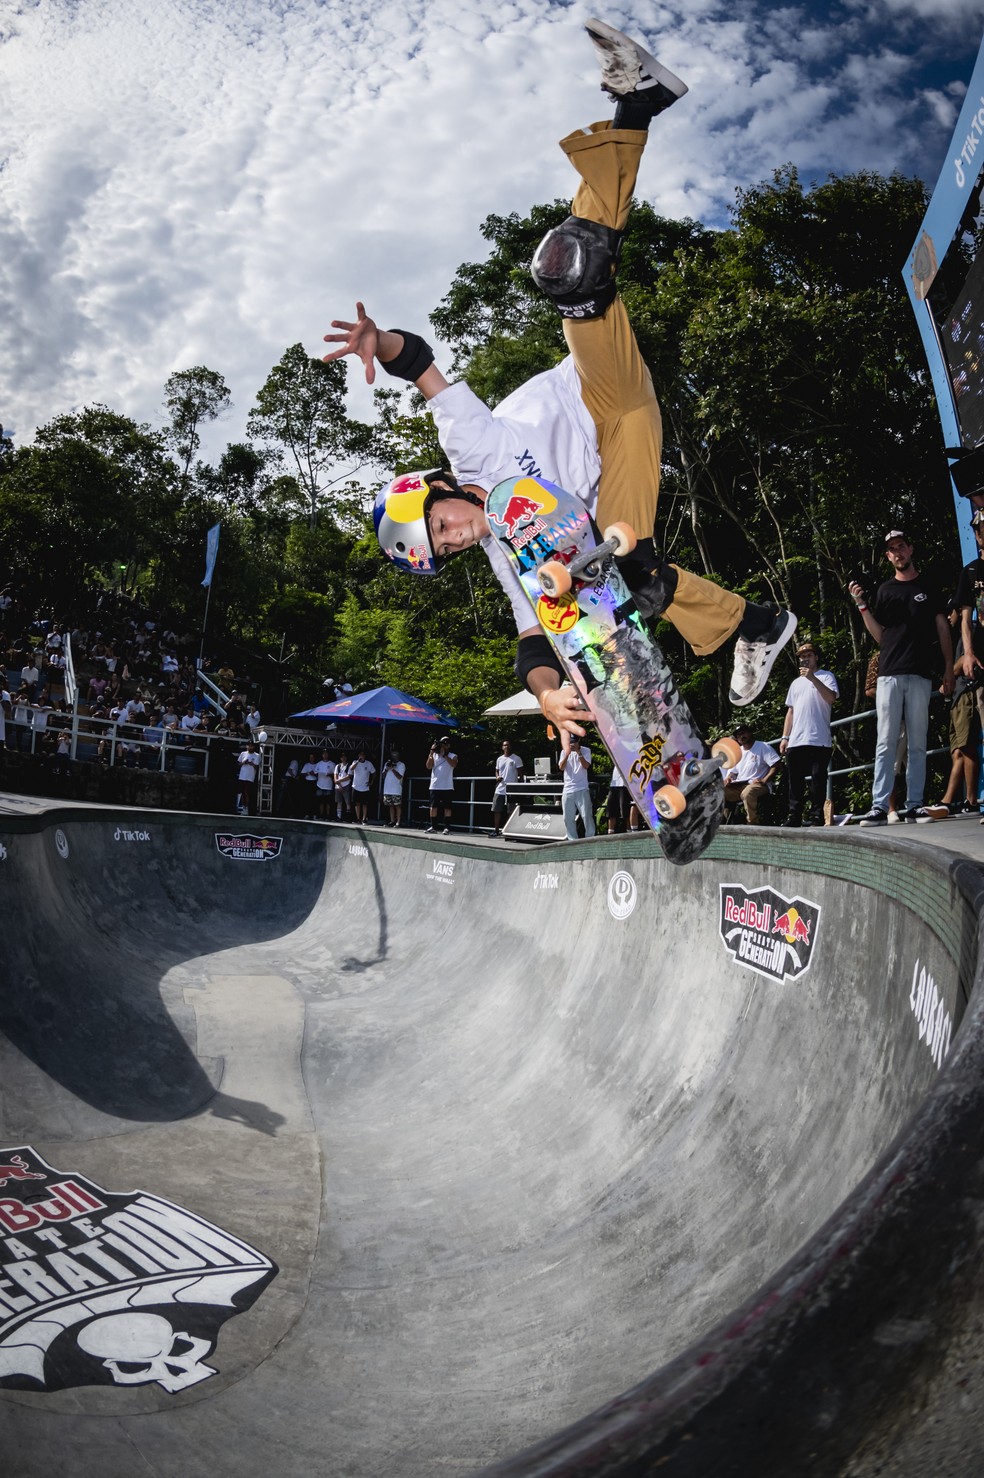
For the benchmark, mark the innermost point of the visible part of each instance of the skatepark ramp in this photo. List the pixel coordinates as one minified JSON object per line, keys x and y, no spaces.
{"x":329,"y":1151}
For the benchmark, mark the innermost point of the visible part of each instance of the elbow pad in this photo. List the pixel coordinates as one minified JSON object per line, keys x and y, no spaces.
{"x":415,"y":356}
{"x":535,"y":651}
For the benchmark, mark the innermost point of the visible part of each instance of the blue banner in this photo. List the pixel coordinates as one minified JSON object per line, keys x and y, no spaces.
{"x":211,"y":550}
{"x":959,"y":180}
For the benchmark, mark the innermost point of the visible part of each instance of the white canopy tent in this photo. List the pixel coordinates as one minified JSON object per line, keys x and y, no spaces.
{"x":520,"y":705}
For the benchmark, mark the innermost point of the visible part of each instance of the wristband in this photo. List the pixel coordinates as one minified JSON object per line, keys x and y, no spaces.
{"x":860,"y":606}
{"x":415,"y":356}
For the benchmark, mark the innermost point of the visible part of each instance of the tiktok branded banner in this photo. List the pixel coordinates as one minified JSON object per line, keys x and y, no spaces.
{"x":104,"y":1288}
{"x":768,"y":933}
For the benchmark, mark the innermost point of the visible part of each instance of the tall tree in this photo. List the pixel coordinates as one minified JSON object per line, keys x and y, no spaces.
{"x":193,"y":397}
{"x":301,"y":411}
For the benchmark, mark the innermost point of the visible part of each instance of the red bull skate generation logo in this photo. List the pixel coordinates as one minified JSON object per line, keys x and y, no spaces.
{"x":772,"y":935}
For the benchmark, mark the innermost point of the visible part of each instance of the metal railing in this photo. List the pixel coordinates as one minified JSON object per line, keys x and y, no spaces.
{"x":472,"y":796}
{"x":841,"y":723}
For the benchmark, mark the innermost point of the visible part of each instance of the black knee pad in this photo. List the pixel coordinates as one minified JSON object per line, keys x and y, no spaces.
{"x":535,"y":651}
{"x":575,"y":265}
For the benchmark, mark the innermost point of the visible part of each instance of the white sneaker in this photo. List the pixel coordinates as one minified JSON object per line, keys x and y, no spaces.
{"x":754,"y":659}
{"x":894,"y":818}
{"x":626,"y":67}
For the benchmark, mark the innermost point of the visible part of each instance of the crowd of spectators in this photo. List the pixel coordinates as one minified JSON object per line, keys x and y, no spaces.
{"x":138,"y":689}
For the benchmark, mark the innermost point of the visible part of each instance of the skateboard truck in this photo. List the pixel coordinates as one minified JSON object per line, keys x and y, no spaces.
{"x":555,"y":578}
{"x":670,"y":800}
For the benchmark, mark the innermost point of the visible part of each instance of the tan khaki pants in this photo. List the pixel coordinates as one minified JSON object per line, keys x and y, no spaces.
{"x":754,"y":793}
{"x":617,"y":388}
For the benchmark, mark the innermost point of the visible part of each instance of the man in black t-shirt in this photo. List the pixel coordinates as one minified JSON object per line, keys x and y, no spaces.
{"x":907,"y":621}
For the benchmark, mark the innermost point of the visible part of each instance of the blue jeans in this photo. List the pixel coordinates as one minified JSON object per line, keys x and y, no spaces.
{"x":576,"y":803}
{"x":896,"y":698}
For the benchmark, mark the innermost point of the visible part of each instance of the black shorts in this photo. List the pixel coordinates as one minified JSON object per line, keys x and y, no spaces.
{"x":619,"y":801}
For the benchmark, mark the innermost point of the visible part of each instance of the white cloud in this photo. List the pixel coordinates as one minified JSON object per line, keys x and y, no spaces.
{"x":203,"y":182}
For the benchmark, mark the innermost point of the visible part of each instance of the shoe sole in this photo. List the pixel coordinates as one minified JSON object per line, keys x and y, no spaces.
{"x":638,"y":69}
{"x":765,"y":674}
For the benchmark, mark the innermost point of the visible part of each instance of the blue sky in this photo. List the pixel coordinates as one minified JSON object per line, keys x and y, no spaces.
{"x":207,"y":181}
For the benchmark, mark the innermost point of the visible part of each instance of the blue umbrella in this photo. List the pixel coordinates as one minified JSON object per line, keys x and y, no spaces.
{"x":382,"y":706}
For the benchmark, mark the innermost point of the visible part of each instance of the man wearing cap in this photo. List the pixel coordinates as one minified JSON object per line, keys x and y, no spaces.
{"x":907,"y":621}
{"x":806,"y":739}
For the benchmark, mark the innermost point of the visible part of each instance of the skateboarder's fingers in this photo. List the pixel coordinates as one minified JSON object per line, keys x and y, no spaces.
{"x":563,"y":709}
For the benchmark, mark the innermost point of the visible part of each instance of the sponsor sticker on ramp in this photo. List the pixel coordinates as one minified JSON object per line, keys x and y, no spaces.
{"x":111,"y":1288}
{"x":766,"y":932}
{"x":248,"y":848}
{"x":622,"y":895}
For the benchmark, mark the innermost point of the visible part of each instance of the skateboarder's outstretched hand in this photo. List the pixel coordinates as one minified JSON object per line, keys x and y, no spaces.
{"x":563,"y":708}
{"x":361,"y":338}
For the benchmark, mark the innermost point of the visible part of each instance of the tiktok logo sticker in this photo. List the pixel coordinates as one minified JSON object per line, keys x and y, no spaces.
{"x":622,"y":895}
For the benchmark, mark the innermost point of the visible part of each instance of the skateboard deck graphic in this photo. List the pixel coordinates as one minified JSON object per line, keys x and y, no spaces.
{"x":613,"y":660}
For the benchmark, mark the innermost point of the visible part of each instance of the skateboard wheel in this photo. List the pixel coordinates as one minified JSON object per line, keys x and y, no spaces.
{"x":728,"y":751}
{"x":670,"y":802}
{"x":622,"y":537}
{"x":554,"y":578}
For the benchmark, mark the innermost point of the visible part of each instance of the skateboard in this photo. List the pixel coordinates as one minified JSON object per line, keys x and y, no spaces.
{"x":582,"y":603}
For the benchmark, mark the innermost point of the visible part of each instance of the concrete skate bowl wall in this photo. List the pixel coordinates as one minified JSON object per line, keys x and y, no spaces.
{"x":572,"y":1142}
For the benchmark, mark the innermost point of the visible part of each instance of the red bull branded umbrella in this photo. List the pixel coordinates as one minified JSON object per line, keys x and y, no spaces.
{"x":381,"y":706}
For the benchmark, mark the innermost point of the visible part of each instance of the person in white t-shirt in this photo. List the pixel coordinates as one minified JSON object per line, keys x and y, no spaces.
{"x":806,"y":739}
{"x":575,"y":798}
{"x":249,"y":769}
{"x":750,"y":780}
{"x":309,"y":782}
{"x":362,"y":773}
{"x":591,"y":425}
{"x":394,"y":773}
{"x":508,"y":771}
{"x":343,"y":790}
{"x":324,"y":780}
{"x":442,"y":763}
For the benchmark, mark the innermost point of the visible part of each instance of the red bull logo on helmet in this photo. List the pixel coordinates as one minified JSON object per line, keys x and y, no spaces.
{"x":410,"y":482}
{"x":767,"y":933}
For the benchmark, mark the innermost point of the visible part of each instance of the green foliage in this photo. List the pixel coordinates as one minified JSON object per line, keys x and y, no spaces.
{"x":192,"y":397}
{"x":379,"y":645}
{"x":95,"y":491}
{"x":300,"y":412}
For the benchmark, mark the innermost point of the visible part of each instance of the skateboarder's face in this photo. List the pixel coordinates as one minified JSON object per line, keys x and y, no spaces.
{"x":456,"y":524}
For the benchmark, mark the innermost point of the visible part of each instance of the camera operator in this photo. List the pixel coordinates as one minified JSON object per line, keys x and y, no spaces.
{"x":575,"y":799}
{"x":442,"y":763}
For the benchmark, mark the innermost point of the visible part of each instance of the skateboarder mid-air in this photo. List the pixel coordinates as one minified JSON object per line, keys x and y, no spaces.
{"x":592,"y":425}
